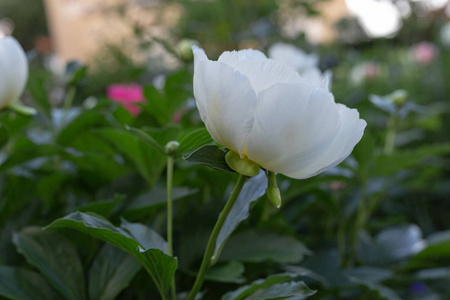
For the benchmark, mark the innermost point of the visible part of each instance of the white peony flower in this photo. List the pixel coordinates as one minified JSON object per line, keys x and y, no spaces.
{"x":13,"y":71}
{"x":265,"y":112}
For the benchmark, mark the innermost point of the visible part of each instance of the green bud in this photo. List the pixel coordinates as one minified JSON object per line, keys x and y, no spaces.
{"x":171,"y":147}
{"x":399,"y":97}
{"x":184,"y":49}
{"x":273,"y":192}
{"x":243,"y":166}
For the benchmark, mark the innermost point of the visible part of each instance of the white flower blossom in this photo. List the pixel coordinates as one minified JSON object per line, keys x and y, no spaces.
{"x":264,"y":111}
{"x":13,"y":71}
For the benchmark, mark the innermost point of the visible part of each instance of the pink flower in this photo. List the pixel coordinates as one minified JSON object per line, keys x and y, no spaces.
{"x":423,"y":52}
{"x":127,"y":95}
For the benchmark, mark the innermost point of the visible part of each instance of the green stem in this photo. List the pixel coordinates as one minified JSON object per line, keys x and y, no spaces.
{"x":170,"y":163}
{"x":362,"y":214}
{"x":389,"y":142}
{"x":211,"y":246}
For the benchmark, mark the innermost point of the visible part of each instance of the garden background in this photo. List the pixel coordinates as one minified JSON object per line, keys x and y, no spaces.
{"x":375,"y":227}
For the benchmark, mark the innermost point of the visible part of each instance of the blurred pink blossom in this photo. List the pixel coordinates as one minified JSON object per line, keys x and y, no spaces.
{"x":127,"y":95}
{"x":423,"y":52}
{"x":176,"y":118}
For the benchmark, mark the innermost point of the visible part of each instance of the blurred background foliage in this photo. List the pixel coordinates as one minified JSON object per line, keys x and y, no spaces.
{"x":375,"y":227}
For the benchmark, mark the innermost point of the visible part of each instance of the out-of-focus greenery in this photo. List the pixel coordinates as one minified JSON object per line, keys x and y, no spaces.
{"x":375,"y":227}
{"x":28,"y":17}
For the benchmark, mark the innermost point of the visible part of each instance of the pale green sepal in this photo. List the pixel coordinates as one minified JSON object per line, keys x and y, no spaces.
{"x":273,"y":192}
{"x":243,"y":166}
{"x":22,"y":109}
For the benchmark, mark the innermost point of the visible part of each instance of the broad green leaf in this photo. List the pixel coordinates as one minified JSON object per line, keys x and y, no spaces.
{"x":436,"y":250}
{"x":288,"y":290}
{"x":193,"y":140}
{"x":158,"y":108}
{"x":36,"y":87}
{"x":149,"y":161}
{"x":380,"y":291}
{"x":24,"y":155}
{"x":155,"y":198}
{"x":20,"y":284}
{"x":145,"y":236}
{"x":4,"y":135}
{"x":433,"y":274}
{"x":260,"y":245}
{"x":111,"y":272}
{"x":390,"y":245}
{"x":403,"y":159}
{"x":369,"y":274}
{"x":146,"y":138}
{"x":252,"y":190}
{"x":159,"y":265}
{"x":229,"y":272}
{"x":79,"y":125}
{"x":259,"y":284}
{"x":210,"y":155}
{"x":103,"y":208}
{"x":55,"y":257}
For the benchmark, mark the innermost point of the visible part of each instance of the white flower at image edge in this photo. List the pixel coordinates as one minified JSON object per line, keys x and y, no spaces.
{"x":265,"y":112}
{"x":13,"y":71}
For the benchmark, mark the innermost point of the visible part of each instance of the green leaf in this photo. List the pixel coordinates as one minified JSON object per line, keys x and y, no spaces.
{"x":111,"y":272}
{"x":404,"y":159}
{"x":259,"y":284}
{"x":145,"y":236}
{"x":148,"y":161}
{"x":146,"y":138}
{"x":103,"y":208}
{"x":155,"y":198}
{"x":82,"y":123}
{"x":159,"y":265}
{"x":390,"y":245}
{"x":289,"y":290}
{"x":436,"y":250}
{"x":36,"y":87}
{"x":19,"y":284}
{"x":230,"y":272}
{"x":252,"y":190}
{"x":55,"y":257}
{"x":193,"y":140}
{"x":380,"y":291}
{"x":210,"y":155}
{"x":4,"y":135}
{"x":261,"y":245}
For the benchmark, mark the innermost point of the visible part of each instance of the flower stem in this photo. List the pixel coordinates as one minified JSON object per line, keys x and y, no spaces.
{"x":170,"y":163}
{"x":211,"y":246}
{"x":389,"y":142}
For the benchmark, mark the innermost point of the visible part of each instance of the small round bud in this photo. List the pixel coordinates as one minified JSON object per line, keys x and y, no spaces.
{"x":184,"y":49}
{"x":399,"y":97}
{"x":171,"y":147}
{"x":243,"y":166}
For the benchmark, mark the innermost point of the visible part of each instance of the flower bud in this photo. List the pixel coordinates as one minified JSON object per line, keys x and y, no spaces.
{"x":273,"y":192}
{"x":399,"y":97}
{"x":171,"y":147}
{"x":243,"y":166}
{"x":184,"y":49}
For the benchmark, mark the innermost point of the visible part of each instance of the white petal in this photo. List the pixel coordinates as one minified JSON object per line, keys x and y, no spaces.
{"x":350,"y":133}
{"x":264,"y":74}
{"x":234,"y":57}
{"x":13,"y":70}
{"x":226,"y":102}
{"x":294,"y":124}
